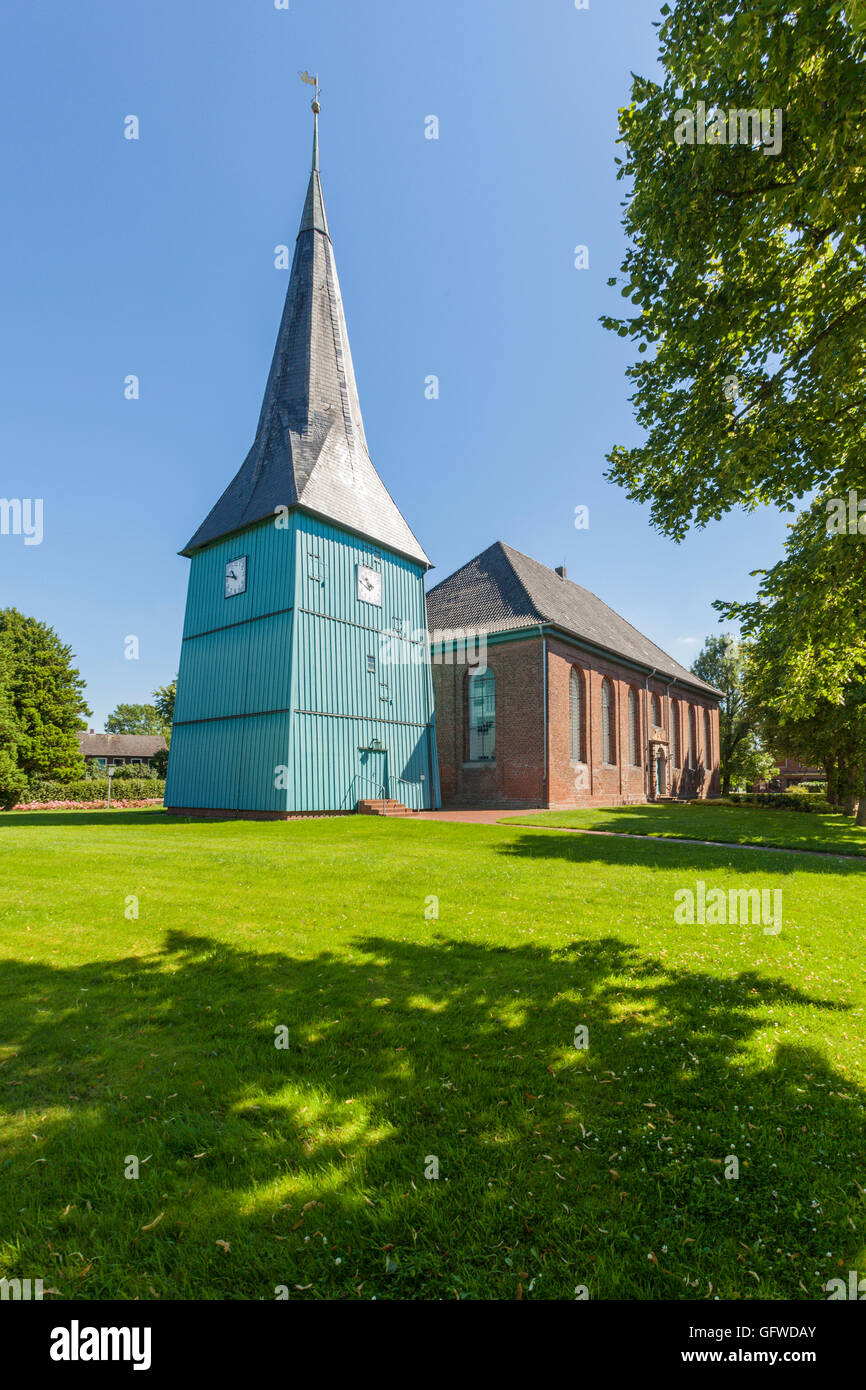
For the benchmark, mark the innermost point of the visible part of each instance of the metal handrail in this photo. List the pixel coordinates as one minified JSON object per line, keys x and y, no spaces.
{"x":407,"y":783}
{"x":359,"y":777}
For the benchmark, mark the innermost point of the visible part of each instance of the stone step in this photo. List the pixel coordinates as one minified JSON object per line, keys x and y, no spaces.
{"x":389,"y":807}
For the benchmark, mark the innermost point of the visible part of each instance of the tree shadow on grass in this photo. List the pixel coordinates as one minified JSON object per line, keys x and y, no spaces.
{"x":695,"y":858}
{"x":70,"y":820}
{"x":558,"y":1167}
{"x":794,"y":830}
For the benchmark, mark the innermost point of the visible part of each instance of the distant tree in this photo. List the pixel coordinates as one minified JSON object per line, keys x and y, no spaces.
{"x":134,"y":719}
{"x":47,"y":697}
{"x":806,"y":640}
{"x":721,"y":662}
{"x":13,"y":783}
{"x":163,"y":698}
{"x":754,"y":764}
{"x":833,"y":736}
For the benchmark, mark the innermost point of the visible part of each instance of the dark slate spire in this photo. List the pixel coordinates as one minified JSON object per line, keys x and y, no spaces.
{"x":310,"y":449}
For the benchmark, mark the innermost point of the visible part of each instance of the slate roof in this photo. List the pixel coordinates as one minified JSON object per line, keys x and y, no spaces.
{"x":119,"y":745}
{"x":502,"y":590}
{"x":310,"y":449}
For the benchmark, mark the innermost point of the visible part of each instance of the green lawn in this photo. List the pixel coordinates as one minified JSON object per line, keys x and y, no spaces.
{"x":413,"y":1036}
{"x":736,"y":825}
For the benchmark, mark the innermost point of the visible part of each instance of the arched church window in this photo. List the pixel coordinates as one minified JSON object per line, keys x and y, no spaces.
{"x":633,"y":740}
{"x":575,"y":715}
{"x":608,"y":741}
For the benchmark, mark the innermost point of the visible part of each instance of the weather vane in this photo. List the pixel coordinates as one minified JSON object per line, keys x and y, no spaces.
{"x":312,"y":82}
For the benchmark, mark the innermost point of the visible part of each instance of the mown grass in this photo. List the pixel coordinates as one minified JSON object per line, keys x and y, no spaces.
{"x":413,"y":1036}
{"x":737,"y":825}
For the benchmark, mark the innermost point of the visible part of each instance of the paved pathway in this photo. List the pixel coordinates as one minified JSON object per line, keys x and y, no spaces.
{"x":494,"y":818}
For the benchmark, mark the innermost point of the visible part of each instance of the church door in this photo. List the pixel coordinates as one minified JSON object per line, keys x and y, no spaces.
{"x":660,"y":773}
{"x":374,"y":774}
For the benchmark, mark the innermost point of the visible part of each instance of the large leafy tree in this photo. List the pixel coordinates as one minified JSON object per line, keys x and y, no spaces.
{"x":746,"y":270}
{"x":806,"y":635}
{"x":47,"y":697}
{"x":832,"y":737}
{"x":13,"y":783}
{"x":808,"y":620}
{"x":722,"y":663}
{"x":134,"y":719}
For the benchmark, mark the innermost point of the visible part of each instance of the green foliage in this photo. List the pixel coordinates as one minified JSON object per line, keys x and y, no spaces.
{"x":783,"y":801}
{"x":12,"y":779}
{"x":136,"y":772}
{"x":807,"y":624}
{"x":135,"y":719}
{"x":806,"y":652}
{"x":163,"y":698}
{"x":94,"y":789}
{"x":159,"y":761}
{"x":47,"y":698}
{"x":721,"y":662}
{"x":744,"y":265}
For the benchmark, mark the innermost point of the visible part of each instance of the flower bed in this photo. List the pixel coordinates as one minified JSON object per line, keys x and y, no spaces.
{"x":117,"y":802}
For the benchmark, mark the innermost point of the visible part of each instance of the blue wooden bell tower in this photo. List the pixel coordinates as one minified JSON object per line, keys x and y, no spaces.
{"x":304,"y":679}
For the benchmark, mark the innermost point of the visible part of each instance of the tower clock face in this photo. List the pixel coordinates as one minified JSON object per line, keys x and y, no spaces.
{"x":236,"y":576}
{"x":369,"y":585}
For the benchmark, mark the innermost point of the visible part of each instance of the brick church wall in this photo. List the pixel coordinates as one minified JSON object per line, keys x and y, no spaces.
{"x":516,"y":776}
{"x":623,"y":783}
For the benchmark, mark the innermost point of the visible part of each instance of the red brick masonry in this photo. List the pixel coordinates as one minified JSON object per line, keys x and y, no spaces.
{"x":523,"y":773}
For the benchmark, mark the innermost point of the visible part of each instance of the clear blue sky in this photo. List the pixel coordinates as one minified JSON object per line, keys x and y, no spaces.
{"x":156,"y":257}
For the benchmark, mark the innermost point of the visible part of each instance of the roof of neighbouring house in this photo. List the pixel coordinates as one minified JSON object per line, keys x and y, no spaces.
{"x":310,"y":448}
{"x":502,"y":590}
{"x":119,"y":745}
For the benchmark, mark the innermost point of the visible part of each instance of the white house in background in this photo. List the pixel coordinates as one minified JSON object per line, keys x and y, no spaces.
{"x":111,"y":750}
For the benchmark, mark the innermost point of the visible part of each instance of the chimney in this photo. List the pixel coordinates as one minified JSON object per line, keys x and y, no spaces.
{"x":560,"y":570}
{"x":91,"y":731}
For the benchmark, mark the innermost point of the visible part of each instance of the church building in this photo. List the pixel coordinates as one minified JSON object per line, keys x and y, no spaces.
{"x":547,"y":697}
{"x":304,"y":681}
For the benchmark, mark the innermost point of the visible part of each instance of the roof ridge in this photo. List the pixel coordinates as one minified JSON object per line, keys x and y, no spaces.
{"x":462,"y":567}
{"x":626,"y":621}
{"x":559,"y":602}
{"x":505,"y":549}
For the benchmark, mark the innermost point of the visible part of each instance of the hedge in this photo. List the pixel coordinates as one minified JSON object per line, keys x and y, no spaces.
{"x":783,"y":801}
{"x":95,"y":789}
